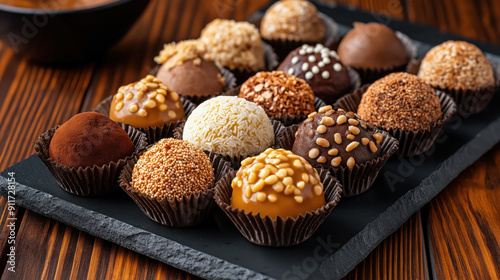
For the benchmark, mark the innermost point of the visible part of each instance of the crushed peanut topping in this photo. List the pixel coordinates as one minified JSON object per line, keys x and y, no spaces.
{"x":175,"y":54}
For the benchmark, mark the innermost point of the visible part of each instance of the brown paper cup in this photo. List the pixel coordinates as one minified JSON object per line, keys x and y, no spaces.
{"x":183,"y":212}
{"x":153,"y":133}
{"x":277,"y":232}
{"x":270,"y":59}
{"x":88,"y":181}
{"x":411,"y":142}
{"x":358,"y":179}
{"x":234,"y":161}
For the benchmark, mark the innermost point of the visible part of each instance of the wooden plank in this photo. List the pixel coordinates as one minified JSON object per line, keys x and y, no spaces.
{"x":464,"y":223}
{"x":386,"y":9}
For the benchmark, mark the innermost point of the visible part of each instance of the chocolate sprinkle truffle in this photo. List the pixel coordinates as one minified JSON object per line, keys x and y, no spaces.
{"x":280,"y":94}
{"x":292,"y":20}
{"x":89,"y":139}
{"x":172,"y":169}
{"x":185,"y":71}
{"x":456,"y":65}
{"x":321,"y":68}
{"x":146,"y":103}
{"x":400,"y":101}
{"x":372,"y":46}
{"x":277,"y":183}
{"x":330,"y":138}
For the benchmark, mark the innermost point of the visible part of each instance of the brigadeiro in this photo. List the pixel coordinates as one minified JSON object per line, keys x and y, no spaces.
{"x":87,"y":152}
{"x":461,"y":70}
{"x":375,"y":50}
{"x":350,"y":148}
{"x":321,"y":68}
{"x":277,"y":198}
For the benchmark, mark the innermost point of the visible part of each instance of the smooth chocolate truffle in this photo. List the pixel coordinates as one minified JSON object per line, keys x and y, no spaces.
{"x":402,"y":101}
{"x":457,"y":65}
{"x":277,"y":183}
{"x":172,"y":169}
{"x":235,"y":45}
{"x":372,"y":46}
{"x":89,"y":139}
{"x":146,"y":103}
{"x":321,"y":68}
{"x":292,"y":20}
{"x":280,"y":94}
{"x":185,"y":71}
{"x":330,"y":138}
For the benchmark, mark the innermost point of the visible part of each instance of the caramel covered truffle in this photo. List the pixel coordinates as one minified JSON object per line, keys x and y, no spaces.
{"x":330,"y":138}
{"x":457,"y":65}
{"x":172,"y":169}
{"x":372,"y":46}
{"x":89,"y":139}
{"x":277,"y":183}
{"x":280,"y":94}
{"x":402,"y":101}
{"x":321,"y":68}
{"x":146,"y":103}
{"x":292,"y":20}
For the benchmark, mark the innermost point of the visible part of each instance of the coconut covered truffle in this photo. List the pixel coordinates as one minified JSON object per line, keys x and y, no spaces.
{"x":280,"y":94}
{"x":330,"y":138}
{"x":146,"y":103}
{"x":172,"y":169}
{"x":292,"y":20}
{"x":235,"y":45}
{"x":230,"y":126}
{"x":401,"y":101}
{"x":457,"y":65}
{"x":277,"y":183}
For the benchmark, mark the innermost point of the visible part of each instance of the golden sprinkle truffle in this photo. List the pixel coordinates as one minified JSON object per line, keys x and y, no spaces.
{"x":145,"y":103}
{"x":229,"y":126}
{"x":457,"y":65}
{"x":277,"y":183}
{"x":172,"y":169}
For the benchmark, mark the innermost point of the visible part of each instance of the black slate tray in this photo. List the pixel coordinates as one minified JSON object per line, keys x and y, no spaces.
{"x":355,"y":227}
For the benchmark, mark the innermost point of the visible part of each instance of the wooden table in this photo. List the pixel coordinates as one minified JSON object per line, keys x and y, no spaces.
{"x":456,"y":236}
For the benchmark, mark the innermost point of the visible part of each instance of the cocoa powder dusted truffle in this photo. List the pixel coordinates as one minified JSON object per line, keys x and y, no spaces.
{"x":400,"y":101}
{"x":172,"y":169}
{"x":321,"y":68}
{"x":292,"y":20}
{"x":456,"y":65}
{"x":280,"y":94}
{"x":330,"y":138}
{"x":89,"y":139}
{"x":277,"y":183}
{"x":146,"y":103}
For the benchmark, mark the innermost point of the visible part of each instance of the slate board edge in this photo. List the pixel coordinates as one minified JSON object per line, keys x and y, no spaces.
{"x":128,"y":236}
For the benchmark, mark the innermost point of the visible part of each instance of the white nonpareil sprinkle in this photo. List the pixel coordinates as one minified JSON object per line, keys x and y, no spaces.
{"x":325,"y":75}
{"x":291,"y":71}
{"x":337,"y":67}
{"x":309,"y":75}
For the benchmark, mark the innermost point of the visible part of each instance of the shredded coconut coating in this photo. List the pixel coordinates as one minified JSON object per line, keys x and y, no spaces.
{"x":172,"y":169}
{"x":235,"y":45}
{"x":175,"y":54}
{"x":280,"y":94}
{"x":293,"y":20}
{"x":230,"y":126}
{"x":457,"y":65}
{"x":400,"y":100}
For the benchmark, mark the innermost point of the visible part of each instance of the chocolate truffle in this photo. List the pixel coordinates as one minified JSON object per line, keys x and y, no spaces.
{"x":146,"y":103}
{"x":280,"y":94}
{"x":330,"y":138}
{"x":277,"y":183}
{"x":185,"y":71}
{"x":229,"y":126}
{"x":234,"y":45}
{"x":372,"y":46}
{"x":172,"y":169}
{"x":292,"y":20}
{"x":89,"y":139}
{"x":322,"y":70}
{"x":456,"y":65}
{"x":401,"y":101}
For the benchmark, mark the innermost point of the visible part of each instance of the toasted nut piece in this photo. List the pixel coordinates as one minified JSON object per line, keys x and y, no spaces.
{"x":301,"y":185}
{"x":338,"y":138}
{"x":353,"y":122}
{"x":321,"y":129}
{"x":313,"y":153}
{"x":288,"y":181}
{"x":298,"y":199}
{"x":289,"y":190}
{"x":264,"y":172}
{"x":350,"y":162}
{"x":352,"y":146}
{"x":321,"y":159}
{"x":327,"y":121}
{"x":323,"y":142}
{"x":365,"y":141}
{"x":142,"y":113}
{"x":350,"y":137}
{"x":354,"y":130}
{"x":252,"y":178}
{"x":133,"y":108}
{"x":258,"y":186}
{"x":119,"y":106}
{"x":373,"y":147}
{"x":271,"y":180}
{"x":278,"y":187}
{"x":246,"y":161}
{"x":261,"y":197}
{"x":272,"y":198}
{"x":378,"y":137}
{"x":318,"y":190}
{"x":248,"y":192}
{"x":333,"y":152}
{"x":324,"y":109}
{"x":341,"y":119}
{"x":281,"y":173}
{"x":336,"y":161}
{"x":305,"y":177}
